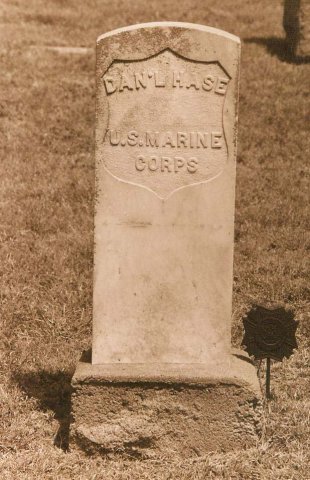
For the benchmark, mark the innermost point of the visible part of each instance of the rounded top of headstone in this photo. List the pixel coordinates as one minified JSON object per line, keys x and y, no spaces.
{"x":184,"y":25}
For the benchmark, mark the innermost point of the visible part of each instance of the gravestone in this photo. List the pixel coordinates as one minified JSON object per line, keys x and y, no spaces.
{"x":162,"y":378}
{"x":296,"y":22}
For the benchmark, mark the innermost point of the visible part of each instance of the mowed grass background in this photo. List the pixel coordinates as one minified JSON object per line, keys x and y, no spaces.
{"x":47,"y":102}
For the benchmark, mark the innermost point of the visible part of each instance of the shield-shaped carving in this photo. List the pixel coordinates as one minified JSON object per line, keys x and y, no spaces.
{"x":165,"y":122}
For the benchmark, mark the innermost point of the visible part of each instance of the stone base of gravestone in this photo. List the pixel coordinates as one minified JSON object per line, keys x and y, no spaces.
{"x":181,"y":411}
{"x":296,"y":22}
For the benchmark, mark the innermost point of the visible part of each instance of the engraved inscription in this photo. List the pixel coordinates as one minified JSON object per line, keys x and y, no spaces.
{"x":166,"y":164}
{"x":177,"y":79}
{"x":165,"y":122}
{"x":166,"y":139}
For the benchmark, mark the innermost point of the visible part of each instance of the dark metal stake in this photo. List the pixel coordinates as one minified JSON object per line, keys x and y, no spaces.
{"x":268,"y":395}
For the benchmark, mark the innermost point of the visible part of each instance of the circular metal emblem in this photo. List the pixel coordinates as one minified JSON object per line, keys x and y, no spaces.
{"x":269,"y":332}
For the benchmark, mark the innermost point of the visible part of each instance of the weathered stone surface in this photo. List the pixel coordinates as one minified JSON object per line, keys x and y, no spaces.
{"x":165,"y":156}
{"x":179,"y":411}
{"x":163,"y":381}
{"x":296,"y":22}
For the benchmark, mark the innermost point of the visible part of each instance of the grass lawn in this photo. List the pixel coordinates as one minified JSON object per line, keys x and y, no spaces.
{"x":46,"y":217}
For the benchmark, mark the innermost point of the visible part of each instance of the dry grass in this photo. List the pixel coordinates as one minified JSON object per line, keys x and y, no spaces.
{"x":47,"y":177}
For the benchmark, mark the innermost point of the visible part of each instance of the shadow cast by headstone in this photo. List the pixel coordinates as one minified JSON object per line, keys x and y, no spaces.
{"x":279,"y":47}
{"x":53,"y":392}
{"x":86,"y":356}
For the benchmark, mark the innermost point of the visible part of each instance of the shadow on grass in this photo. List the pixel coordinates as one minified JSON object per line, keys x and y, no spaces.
{"x":53,"y":391}
{"x":278,"y":47}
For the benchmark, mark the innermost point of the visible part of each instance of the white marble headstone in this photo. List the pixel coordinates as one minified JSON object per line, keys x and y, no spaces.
{"x":167,"y":95}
